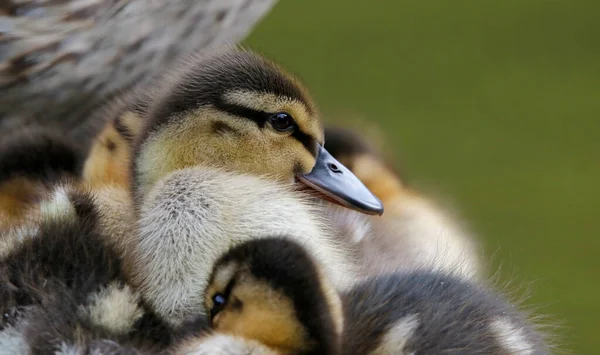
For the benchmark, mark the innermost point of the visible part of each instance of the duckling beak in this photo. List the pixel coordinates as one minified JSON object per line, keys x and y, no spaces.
{"x":338,"y":183}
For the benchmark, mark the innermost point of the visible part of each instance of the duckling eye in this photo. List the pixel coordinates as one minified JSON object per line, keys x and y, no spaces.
{"x":218,"y":304}
{"x":282,"y":122}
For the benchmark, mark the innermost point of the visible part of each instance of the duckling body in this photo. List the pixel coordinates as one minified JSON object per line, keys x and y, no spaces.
{"x":414,"y":233}
{"x":433,"y":313}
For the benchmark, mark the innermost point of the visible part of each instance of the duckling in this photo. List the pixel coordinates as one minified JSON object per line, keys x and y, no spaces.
{"x":271,"y":291}
{"x":414,"y":233}
{"x":423,"y":312}
{"x":225,"y":141}
{"x":268,"y":296}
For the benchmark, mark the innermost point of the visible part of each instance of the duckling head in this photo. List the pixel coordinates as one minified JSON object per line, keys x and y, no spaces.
{"x":270,"y":291}
{"x":235,"y":110}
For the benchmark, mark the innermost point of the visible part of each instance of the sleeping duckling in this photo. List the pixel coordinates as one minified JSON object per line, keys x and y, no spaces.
{"x":222,"y":147}
{"x":425,"y":312}
{"x":414,"y":233}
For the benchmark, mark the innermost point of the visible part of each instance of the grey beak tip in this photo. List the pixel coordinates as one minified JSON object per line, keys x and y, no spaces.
{"x":337,"y":181}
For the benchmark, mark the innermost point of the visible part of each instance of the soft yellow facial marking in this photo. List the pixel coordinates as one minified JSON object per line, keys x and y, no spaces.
{"x":210,"y":137}
{"x":265,"y":315}
{"x":256,"y":311}
{"x":267,"y":102}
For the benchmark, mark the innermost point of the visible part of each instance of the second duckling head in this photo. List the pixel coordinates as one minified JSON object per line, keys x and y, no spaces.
{"x":270,"y":291}
{"x":235,"y":110}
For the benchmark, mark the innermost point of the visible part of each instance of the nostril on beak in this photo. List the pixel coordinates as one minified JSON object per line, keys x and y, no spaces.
{"x":334,"y":168}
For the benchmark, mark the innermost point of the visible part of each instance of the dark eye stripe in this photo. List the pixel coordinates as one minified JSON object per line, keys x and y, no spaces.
{"x":307,"y":141}
{"x":229,"y":287}
{"x":226,"y":294}
{"x":261,"y":118}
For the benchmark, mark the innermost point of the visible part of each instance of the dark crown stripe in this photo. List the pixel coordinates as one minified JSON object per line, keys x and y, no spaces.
{"x":308,"y":141}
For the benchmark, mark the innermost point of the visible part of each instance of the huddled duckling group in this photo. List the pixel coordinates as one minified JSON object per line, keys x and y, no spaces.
{"x":208,"y":217}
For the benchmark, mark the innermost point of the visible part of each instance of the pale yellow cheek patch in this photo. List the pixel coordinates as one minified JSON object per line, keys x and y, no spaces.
{"x":240,"y":146}
{"x":265,"y":316}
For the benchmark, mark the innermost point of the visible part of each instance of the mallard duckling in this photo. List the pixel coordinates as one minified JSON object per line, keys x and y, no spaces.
{"x":235,"y":110}
{"x":271,"y":291}
{"x":267,"y":296}
{"x":414,"y":233}
{"x":224,"y":142}
{"x":433,"y":313}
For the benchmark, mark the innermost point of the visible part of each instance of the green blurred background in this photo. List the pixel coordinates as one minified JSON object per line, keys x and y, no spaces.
{"x":492,"y":104}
